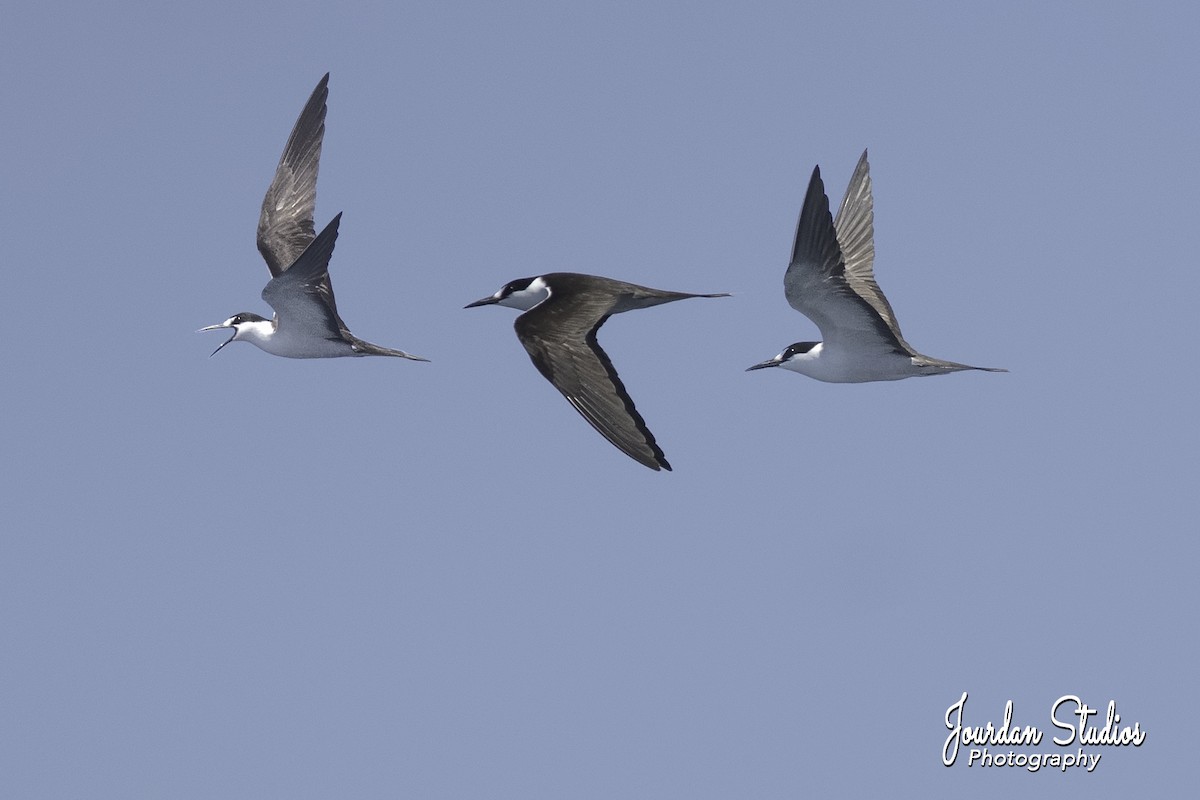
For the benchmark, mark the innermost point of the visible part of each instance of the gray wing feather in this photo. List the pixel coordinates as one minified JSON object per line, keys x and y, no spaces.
{"x":819,"y":283}
{"x":855,"y":226}
{"x":285,"y":225}
{"x":298,"y":294}
{"x":560,"y":337}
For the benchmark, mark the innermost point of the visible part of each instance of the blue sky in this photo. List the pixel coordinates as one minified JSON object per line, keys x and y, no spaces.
{"x":256,"y":577}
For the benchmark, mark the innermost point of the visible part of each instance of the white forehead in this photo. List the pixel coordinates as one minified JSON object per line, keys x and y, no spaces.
{"x":527,"y":298}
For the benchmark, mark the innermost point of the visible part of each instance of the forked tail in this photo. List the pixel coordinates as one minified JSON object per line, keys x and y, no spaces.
{"x":365,"y":348}
{"x":938,"y":367}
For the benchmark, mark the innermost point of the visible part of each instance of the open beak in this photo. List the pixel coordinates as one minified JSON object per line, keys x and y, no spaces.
{"x":217,"y":328}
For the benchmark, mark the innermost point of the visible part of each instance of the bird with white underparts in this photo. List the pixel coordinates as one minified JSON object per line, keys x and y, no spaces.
{"x":306,"y":323}
{"x":831,"y":280}
{"x":562,"y":313}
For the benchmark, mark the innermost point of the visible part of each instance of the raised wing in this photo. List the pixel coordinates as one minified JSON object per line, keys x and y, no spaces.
{"x":299,"y":294}
{"x":855,"y":226}
{"x":817,"y":283}
{"x":560,"y":336}
{"x":285,"y":225}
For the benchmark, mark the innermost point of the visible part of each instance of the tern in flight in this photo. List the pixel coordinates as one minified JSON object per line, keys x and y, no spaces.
{"x":563,"y":312}
{"x":831,"y":281}
{"x":306,"y":323}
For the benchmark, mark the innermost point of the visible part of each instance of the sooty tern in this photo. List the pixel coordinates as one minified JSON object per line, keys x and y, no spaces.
{"x":563,"y":312}
{"x":831,"y":281}
{"x":306,"y":322}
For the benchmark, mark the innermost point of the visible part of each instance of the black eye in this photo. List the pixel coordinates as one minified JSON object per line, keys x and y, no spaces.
{"x":798,"y":348}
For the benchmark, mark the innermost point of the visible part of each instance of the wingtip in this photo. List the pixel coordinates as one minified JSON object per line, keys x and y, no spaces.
{"x":656,"y":462}
{"x":863,"y":164}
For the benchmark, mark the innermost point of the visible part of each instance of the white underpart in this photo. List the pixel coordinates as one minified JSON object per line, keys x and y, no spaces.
{"x":527,"y":298}
{"x":834,"y":367}
{"x":264,"y":335}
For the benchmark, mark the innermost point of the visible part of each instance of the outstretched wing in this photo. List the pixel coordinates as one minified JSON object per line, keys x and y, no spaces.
{"x":817,"y":283}
{"x":855,"y":226}
{"x":560,"y":336}
{"x":285,"y":225}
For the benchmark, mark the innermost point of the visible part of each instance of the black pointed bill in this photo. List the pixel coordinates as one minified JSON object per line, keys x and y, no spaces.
{"x":217,"y":328}
{"x":486,"y":301}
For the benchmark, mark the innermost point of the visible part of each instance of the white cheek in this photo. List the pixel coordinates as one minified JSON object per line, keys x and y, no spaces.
{"x":255,"y":331}
{"x":803,"y":362}
{"x":527,"y":298}
{"x":512,"y":301}
{"x":795,"y":364}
